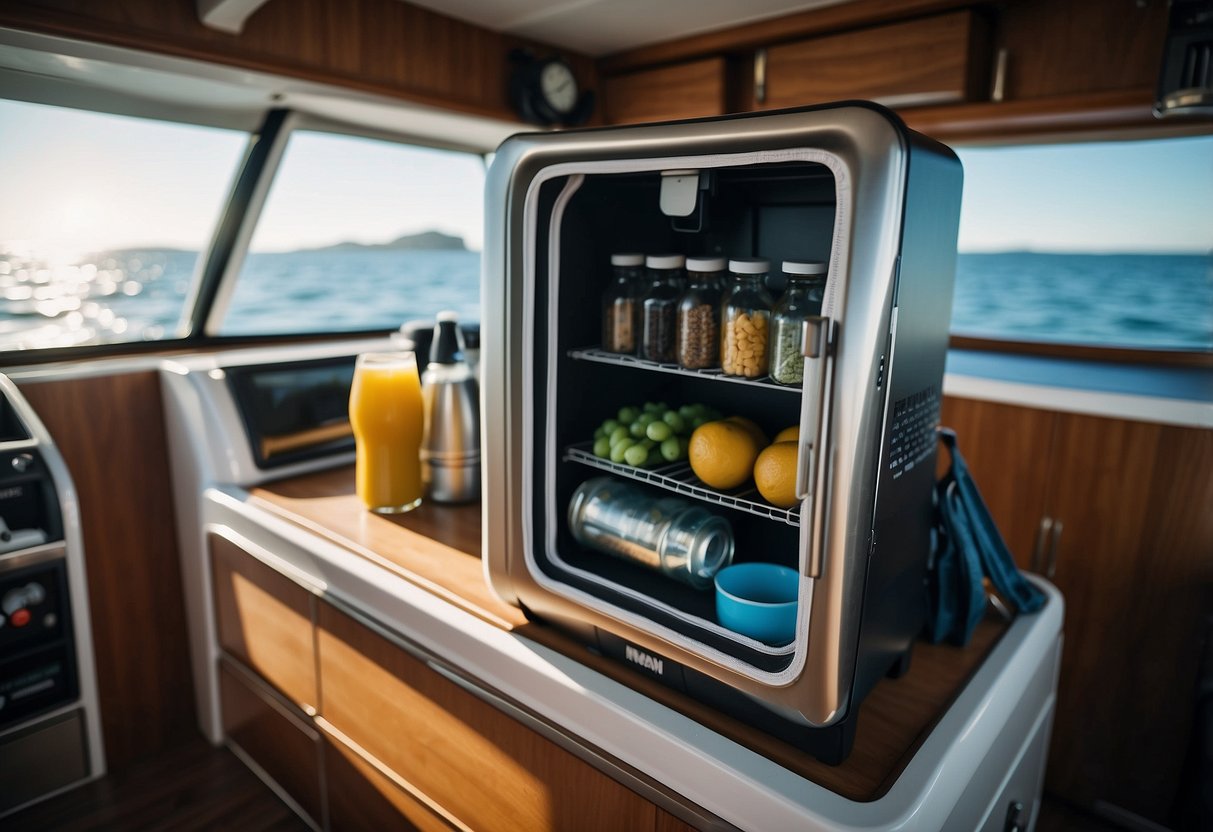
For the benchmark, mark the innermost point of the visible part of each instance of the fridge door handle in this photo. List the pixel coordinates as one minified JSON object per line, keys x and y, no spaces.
{"x":819,"y":337}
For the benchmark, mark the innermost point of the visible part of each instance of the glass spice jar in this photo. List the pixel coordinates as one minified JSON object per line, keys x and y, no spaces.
{"x":699,"y":314}
{"x":801,"y":299}
{"x":659,"y":309}
{"x":621,"y":304}
{"x":745,"y":316}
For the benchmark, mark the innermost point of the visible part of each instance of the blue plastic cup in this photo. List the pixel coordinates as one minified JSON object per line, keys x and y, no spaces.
{"x":758,"y":600}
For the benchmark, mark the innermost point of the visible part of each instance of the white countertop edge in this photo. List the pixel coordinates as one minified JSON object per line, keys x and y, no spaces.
{"x":1182,"y":412}
{"x":739,"y":785}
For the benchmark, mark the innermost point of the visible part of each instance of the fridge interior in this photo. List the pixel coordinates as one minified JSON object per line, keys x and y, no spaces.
{"x":777,"y":211}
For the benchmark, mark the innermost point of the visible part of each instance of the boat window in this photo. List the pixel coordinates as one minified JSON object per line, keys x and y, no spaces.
{"x":360,"y":234}
{"x":101,"y":222}
{"x":1104,"y":243}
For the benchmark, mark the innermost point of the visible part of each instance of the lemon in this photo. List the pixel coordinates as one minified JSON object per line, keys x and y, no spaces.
{"x":751,"y":428}
{"x":791,"y":434}
{"x":722,"y":453}
{"x":775,"y":474}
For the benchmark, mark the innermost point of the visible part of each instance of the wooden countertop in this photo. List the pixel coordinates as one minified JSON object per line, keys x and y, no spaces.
{"x":438,"y":548}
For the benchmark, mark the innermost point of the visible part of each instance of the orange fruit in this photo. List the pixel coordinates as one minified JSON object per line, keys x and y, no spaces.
{"x":791,"y":434}
{"x":751,"y":428}
{"x":722,"y":453}
{"x":775,"y":474}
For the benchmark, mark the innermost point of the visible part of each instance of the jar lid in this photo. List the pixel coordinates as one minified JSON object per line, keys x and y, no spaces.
{"x":665,"y":261}
{"x":705,"y":264}
{"x":627,"y":259}
{"x":750,"y":265}
{"x":804,"y":267}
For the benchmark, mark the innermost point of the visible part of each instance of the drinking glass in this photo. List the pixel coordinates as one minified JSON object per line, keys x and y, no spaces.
{"x":387,"y":417}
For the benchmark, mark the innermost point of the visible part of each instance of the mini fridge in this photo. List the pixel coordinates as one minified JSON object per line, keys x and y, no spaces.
{"x":847,"y":185}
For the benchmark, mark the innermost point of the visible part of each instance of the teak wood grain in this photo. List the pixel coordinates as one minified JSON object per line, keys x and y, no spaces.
{"x":688,"y":90}
{"x":265,"y":620}
{"x":485,"y":768}
{"x":438,"y":548}
{"x":361,"y":797}
{"x":1135,"y":564}
{"x":929,"y":60}
{"x":387,"y":47}
{"x":110,"y":431}
{"x":285,"y":747}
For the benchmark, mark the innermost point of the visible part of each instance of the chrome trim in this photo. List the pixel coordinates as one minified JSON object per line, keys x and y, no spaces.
{"x":760,"y":76}
{"x":1038,"y":550}
{"x":43,"y":553}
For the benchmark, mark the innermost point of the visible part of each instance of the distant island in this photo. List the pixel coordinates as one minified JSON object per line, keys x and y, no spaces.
{"x":425,"y":241}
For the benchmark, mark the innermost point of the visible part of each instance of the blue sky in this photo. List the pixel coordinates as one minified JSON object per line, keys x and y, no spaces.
{"x":1154,"y":196}
{"x":75,"y":182}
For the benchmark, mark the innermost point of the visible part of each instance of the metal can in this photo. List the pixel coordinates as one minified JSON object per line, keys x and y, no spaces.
{"x":669,"y":535}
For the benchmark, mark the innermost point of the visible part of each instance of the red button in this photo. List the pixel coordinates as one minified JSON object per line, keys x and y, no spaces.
{"x":19,"y":618}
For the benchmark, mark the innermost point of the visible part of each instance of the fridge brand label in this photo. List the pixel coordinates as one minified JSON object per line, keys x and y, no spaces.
{"x":912,"y":432}
{"x":648,"y":662}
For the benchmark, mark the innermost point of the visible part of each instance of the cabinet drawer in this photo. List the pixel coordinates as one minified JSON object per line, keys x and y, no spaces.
{"x":265,"y":620}
{"x":932,"y":60}
{"x":286,"y":749}
{"x":485,"y":769}
{"x":688,"y":90}
{"x":361,"y":796}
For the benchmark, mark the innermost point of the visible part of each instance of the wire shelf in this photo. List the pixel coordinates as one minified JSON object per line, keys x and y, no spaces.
{"x":601,"y":356}
{"x":678,"y":477}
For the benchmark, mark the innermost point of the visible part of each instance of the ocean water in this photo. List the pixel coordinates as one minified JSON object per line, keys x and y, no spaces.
{"x":1139,"y":300}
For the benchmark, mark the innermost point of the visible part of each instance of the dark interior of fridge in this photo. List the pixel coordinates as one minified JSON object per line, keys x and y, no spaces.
{"x":775,"y":211}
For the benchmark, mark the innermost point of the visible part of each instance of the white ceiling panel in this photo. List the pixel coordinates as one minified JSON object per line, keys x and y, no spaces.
{"x":602,"y":27}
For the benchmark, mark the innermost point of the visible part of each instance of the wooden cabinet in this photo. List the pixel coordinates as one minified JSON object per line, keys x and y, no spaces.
{"x":386,"y":741}
{"x":264,"y":619}
{"x":283,"y":744}
{"x":687,"y":90}
{"x":1134,"y":559}
{"x":484,"y":768}
{"x":930,"y":60}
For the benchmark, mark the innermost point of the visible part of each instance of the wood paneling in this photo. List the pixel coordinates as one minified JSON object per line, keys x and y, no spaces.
{"x":929,"y":60}
{"x":438,"y":547}
{"x":485,"y":768}
{"x":832,"y":18}
{"x":687,"y":90}
{"x":1008,"y":452}
{"x":1066,"y":47}
{"x":668,"y":823}
{"x":1135,"y":563}
{"x":362,"y":797}
{"x":381,"y":46}
{"x":110,"y":431}
{"x":265,"y":620}
{"x":285,"y":748}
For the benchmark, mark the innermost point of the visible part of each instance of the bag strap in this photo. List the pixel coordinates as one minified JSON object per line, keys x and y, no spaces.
{"x":983,"y":535}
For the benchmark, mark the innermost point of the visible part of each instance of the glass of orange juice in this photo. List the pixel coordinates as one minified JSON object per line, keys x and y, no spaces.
{"x":387,"y":417}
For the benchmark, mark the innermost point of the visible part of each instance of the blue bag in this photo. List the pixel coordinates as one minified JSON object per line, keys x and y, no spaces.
{"x":967,"y":547}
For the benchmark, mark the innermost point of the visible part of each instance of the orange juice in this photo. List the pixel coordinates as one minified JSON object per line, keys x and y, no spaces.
{"x":387,"y":416}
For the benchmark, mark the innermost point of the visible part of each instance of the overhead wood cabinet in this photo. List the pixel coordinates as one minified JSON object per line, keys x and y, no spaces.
{"x":686,"y":90}
{"x":1104,"y":507}
{"x":942,"y":59}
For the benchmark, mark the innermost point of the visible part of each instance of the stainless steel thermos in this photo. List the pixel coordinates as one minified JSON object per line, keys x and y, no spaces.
{"x":450,"y":448}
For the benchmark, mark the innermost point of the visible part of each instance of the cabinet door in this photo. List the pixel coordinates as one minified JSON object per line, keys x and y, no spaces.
{"x":286,"y":749}
{"x":363,"y":797}
{"x":265,"y":620}
{"x":1008,"y":451}
{"x":1135,"y":563}
{"x":932,"y":60}
{"x":482,"y":767}
{"x":687,"y":90}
